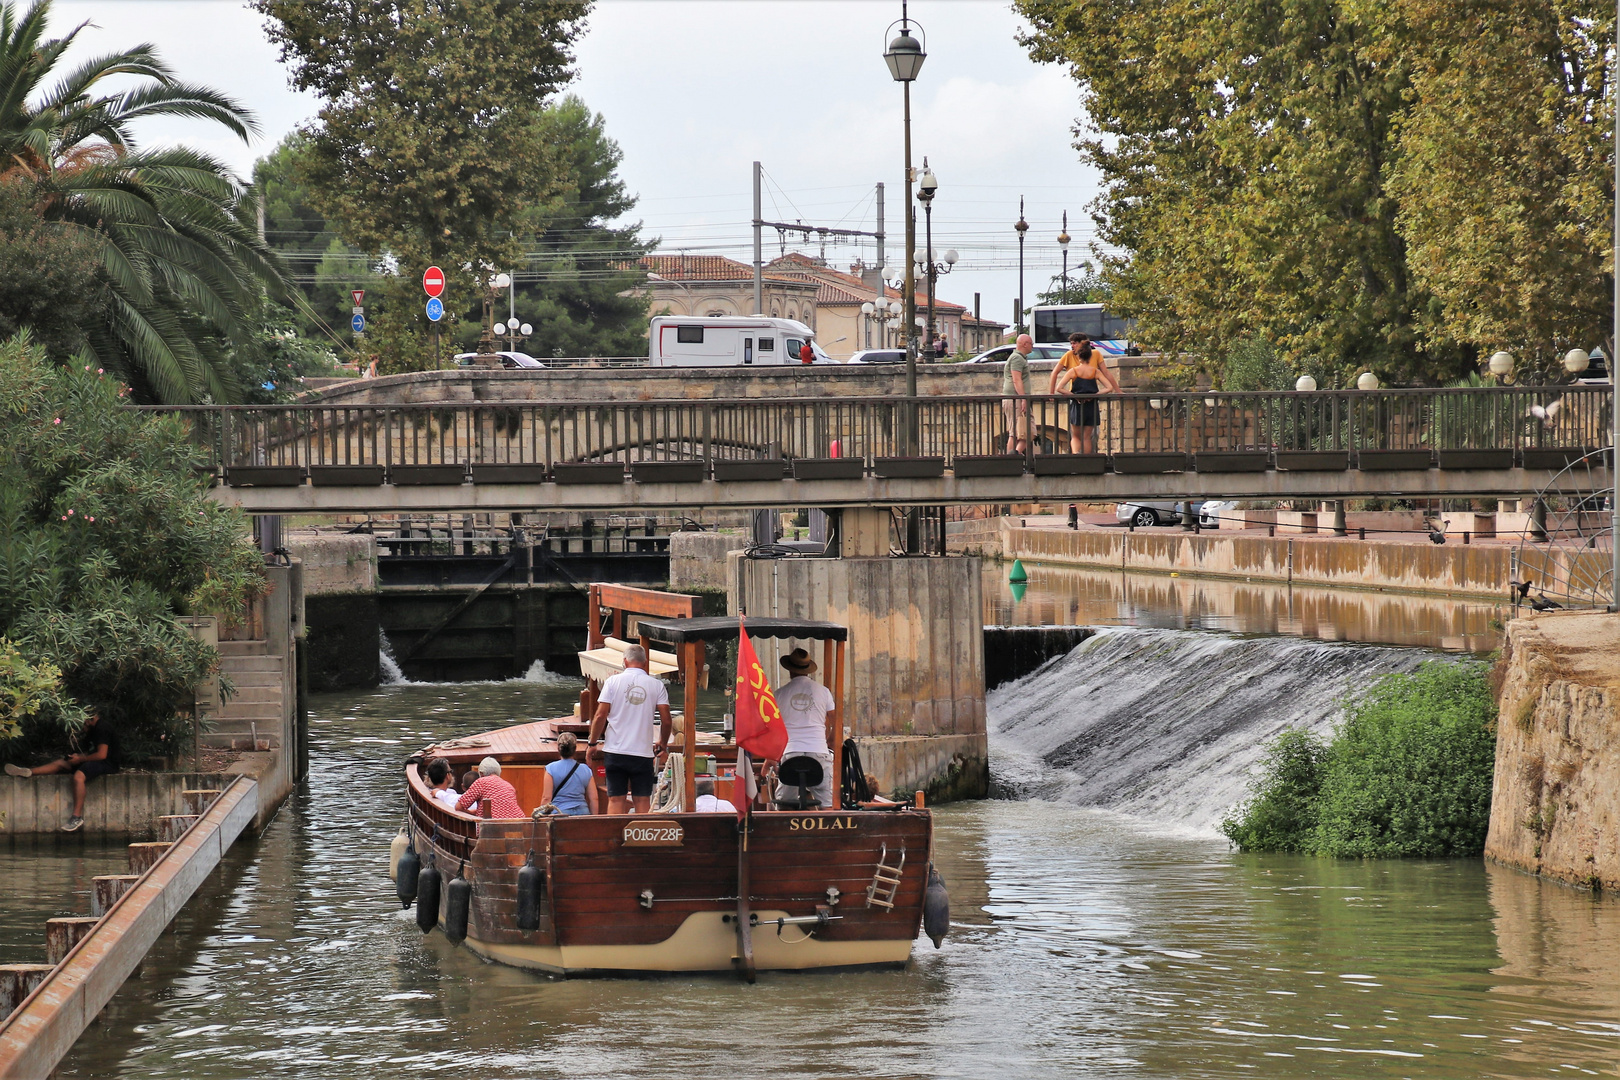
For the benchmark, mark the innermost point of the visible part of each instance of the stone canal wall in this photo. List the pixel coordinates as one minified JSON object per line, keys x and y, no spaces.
{"x":1453,"y":568}
{"x":1555,"y":801}
{"x":914,"y":690}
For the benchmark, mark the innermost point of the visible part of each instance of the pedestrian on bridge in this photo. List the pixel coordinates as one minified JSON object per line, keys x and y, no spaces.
{"x":1015,"y":394}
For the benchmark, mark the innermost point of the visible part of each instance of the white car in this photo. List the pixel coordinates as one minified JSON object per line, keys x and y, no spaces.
{"x":999,"y":354}
{"x":508,"y":360}
{"x":878,"y":356}
{"x":1147,"y":513}
{"x":1210,"y":513}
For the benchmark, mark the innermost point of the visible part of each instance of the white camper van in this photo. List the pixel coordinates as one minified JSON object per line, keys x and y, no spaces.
{"x":690,"y":341}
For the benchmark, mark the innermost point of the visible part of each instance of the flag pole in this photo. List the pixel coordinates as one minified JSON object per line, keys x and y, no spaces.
{"x":745,"y":931}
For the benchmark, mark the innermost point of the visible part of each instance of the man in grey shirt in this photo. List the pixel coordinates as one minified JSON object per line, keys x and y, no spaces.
{"x":1015,"y":394}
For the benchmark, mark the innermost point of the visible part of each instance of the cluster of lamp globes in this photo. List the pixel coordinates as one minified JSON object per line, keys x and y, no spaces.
{"x":1500,"y":364}
{"x":511,"y":327}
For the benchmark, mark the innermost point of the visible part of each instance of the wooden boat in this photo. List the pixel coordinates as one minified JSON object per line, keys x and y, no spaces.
{"x":834,"y":887}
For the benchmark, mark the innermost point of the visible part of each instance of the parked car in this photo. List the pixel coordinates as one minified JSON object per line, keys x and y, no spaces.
{"x":1209,"y":514}
{"x":508,"y":360}
{"x":1146,"y":513}
{"x":878,"y":356}
{"x":999,"y":354}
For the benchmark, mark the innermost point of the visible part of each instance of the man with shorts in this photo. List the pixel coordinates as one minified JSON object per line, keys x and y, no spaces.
{"x":805,"y":705}
{"x":101,"y":759}
{"x":1015,"y":394}
{"x":625,"y":709}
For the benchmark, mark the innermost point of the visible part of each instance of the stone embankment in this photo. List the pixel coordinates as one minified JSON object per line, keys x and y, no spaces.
{"x":1408,"y":564}
{"x":1555,"y":802}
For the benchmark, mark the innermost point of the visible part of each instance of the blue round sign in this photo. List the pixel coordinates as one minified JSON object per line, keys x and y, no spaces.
{"x":435,"y":309}
{"x":358,"y":323}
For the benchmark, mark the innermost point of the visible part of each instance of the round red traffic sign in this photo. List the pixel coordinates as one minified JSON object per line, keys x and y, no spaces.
{"x":433,"y":281}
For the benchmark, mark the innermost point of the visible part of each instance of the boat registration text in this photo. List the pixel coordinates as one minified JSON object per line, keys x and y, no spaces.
{"x":653,"y":834}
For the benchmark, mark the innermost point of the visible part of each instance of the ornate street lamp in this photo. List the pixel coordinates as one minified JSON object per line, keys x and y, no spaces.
{"x":1063,"y":242}
{"x":927,"y":187}
{"x":1021,"y":227}
{"x":486,"y":341}
{"x":905,"y":58}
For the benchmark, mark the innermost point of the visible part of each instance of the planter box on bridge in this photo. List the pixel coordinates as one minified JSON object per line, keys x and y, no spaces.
{"x":829,"y":468}
{"x":1476,"y":459}
{"x":1394,"y":460}
{"x":508,"y":474}
{"x":991,"y":465}
{"x":1313,"y":460}
{"x":1231,"y":461}
{"x":744,"y":469}
{"x":264,"y":475}
{"x":908,"y":468}
{"x":1070,"y":464}
{"x":1139,"y":464}
{"x":588,"y":472}
{"x":422,"y":475}
{"x":346,"y":475}
{"x":668,"y":472}
{"x":1551,"y":457}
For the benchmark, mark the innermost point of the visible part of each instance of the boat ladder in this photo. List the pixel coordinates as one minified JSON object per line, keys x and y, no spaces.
{"x":885,"y":879}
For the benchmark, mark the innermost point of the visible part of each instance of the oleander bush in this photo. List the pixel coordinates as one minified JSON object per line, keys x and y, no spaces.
{"x":107,"y":534}
{"x":1407,"y":774}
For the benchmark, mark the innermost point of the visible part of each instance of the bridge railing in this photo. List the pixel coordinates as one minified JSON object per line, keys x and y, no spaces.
{"x":544,"y":435}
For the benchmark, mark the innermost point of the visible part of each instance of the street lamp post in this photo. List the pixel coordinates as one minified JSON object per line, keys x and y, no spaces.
{"x":514,"y":332}
{"x":905,"y":58}
{"x":1022,"y":227}
{"x":486,"y":351}
{"x":1063,"y":242}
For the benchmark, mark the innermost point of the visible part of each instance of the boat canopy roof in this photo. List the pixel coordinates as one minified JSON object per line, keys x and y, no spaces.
{"x":723,"y":627}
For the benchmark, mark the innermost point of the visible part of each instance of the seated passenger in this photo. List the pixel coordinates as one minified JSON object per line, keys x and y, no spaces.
{"x":707,"y":803}
{"x":489,"y":785}
{"x":438,"y":778}
{"x":805,"y":704}
{"x":569,"y":783}
{"x":876,"y":800}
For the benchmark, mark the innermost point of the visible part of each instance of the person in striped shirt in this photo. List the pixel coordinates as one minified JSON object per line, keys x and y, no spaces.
{"x":489,"y":785}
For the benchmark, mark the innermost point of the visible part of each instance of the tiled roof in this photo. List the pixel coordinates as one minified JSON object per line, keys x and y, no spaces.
{"x":838,"y":288}
{"x":705,"y":268}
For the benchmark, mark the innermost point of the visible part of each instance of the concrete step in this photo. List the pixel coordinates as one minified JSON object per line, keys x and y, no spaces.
{"x":256,"y":647}
{"x":255,"y":678}
{"x":264,"y":716}
{"x":226,"y":740}
{"x":252,"y":663}
{"x":250,"y":694}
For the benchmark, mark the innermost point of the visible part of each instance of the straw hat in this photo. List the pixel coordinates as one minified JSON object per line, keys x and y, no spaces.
{"x":799,"y":663}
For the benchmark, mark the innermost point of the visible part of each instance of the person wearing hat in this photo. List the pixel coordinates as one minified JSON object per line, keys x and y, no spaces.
{"x":805,"y":704}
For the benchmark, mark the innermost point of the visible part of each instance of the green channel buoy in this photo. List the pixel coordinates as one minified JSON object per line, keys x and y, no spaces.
{"x":1018,"y":588}
{"x":1019,"y":574}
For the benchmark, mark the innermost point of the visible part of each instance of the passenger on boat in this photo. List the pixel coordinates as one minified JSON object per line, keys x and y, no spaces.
{"x":877,"y":800}
{"x":569,"y":783}
{"x":625,"y":709}
{"x":805,"y":704}
{"x":707,"y":803}
{"x":438,"y":776}
{"x":489,"y":785}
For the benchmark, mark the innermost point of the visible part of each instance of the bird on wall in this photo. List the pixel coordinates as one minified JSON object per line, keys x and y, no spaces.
{"x":1437,"y":533}
{"x":1522,"y":586}
{"x":1541,"y":603}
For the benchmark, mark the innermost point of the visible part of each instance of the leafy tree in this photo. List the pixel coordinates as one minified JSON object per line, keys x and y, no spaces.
{"x":182,"y":271}
{"x":589,"y":299}
{"x":106,"y":534}
{"x":430,"y":144}
{"x":1504,"y":176}
{"x":270,"y":370}
{"x":1085,"y":286}
{"x":59,"y":294}
{"x":1280,"y":813}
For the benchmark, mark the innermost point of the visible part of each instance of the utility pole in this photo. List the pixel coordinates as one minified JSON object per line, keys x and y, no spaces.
{"x":759,"y":251}
{"x":880,"y":236}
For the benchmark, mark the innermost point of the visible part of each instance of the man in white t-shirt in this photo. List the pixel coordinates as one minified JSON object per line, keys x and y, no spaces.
{"x":805,"y":704}
{"x":626,"y":708}
{"x":709,"y":803}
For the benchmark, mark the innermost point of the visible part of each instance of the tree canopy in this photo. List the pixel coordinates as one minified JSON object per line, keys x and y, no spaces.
{"x":1362,"y":183}
{"x":180,"y":270}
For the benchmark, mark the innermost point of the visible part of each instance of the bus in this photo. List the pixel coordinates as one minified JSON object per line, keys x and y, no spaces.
{"x":1052,"y":324}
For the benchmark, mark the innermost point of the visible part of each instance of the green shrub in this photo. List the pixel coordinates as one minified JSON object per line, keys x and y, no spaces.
{"x":1280,"y":814}
{"x":1407,"y":774}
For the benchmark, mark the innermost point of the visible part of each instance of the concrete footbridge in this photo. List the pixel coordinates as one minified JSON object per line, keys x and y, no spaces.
{"x":890,"y":450}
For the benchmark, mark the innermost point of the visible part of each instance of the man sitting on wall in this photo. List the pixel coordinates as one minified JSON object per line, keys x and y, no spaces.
{"x":489,"y":785}
{"x":101,"y":759}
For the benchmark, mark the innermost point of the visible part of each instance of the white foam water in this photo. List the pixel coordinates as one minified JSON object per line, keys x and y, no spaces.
{"x":387,"y":668}
{"x":390,"y":673}
{"x":1166,"y":725}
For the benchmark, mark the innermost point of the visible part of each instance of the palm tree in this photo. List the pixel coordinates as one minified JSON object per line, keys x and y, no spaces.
{"x":183,"y":267}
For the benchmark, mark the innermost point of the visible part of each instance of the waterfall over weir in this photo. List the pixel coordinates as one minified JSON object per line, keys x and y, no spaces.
{"x":1166,"y":724}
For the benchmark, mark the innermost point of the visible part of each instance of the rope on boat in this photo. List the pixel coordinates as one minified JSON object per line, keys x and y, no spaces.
{"x":670,"y":795}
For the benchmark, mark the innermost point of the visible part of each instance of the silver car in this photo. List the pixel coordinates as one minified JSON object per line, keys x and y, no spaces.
{"x":1146,"y":513}
{"x":999,"y":354}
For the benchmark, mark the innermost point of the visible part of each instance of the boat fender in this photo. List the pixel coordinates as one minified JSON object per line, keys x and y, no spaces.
{"x":457,"y":905}
{"x":395,"y":850}
{"x":406,"y":868}
{"x":530,"y":883}
{"x":428,"y":885}
{"x":936,"y":908}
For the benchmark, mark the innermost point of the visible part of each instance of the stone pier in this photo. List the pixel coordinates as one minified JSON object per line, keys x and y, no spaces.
{"x":914,"y":701}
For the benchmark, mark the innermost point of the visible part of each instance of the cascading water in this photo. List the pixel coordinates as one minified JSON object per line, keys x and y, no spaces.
{"x":388,"y":670}
{"x":1166,"y":724}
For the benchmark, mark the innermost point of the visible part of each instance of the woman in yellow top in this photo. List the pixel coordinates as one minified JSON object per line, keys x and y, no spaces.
{"x":1078,"y":374}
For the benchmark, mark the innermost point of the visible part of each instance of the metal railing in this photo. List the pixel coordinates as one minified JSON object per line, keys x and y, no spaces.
{"x":545,"y":435}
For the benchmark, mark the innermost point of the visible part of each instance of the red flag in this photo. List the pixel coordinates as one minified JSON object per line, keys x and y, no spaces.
{"x":760,"y":730}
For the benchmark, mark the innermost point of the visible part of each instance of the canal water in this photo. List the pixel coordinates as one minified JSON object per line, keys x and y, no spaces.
{"x":1099,"y":929}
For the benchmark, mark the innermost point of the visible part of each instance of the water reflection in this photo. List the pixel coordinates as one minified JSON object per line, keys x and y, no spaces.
{"x":1068,"y":596}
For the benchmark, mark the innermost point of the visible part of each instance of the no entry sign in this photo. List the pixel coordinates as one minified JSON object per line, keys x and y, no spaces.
{"x":433,"y":281}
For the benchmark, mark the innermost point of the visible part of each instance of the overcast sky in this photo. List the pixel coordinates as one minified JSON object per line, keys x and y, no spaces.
{"x":694,"y":92}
